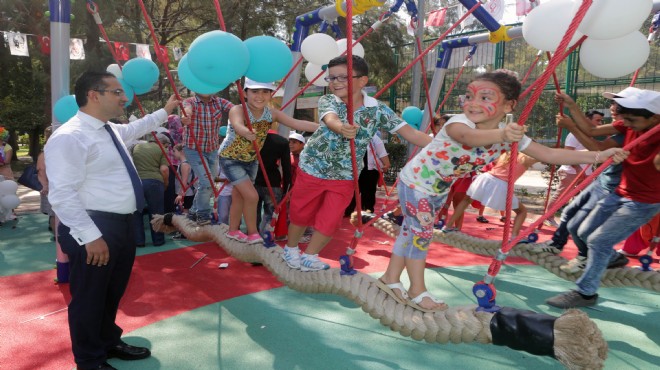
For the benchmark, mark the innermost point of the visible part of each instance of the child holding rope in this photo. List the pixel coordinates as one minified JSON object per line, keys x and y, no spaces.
{"x":467,"y":142}
{"x":490,"y":189}
{"x":324,"y":183}
{"x":238,"y":158}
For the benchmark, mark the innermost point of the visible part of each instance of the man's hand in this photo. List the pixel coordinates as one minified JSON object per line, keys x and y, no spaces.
{"x":349,"y":131}
{"x":172,"y":103}
{"x":186,"y":120}
{"x":97,"y":253}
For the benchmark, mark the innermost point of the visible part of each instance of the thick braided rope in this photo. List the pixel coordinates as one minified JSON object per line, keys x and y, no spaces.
{"x":617,"y":277}
{"x":578,"y":343}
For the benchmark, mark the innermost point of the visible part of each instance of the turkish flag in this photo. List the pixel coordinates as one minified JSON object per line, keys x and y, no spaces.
{"x":163,"y":57}
{"x":44,"y":44}
{"x":121,"y":49}
{"x":437,"y":18}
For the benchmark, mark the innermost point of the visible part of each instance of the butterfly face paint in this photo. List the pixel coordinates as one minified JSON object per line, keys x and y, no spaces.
{"x":483,"y":102}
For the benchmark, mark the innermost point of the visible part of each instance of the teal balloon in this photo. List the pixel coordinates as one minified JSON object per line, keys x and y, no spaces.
{"x":141,"y":74}
{"x":65,"y":108}
{"x":128,"y":90}
{"x":218,"y":58}
{"x":413,"y":116}
{"x":270,"y":59}
{"x":189,"y":80}
{"x":223,"y":131}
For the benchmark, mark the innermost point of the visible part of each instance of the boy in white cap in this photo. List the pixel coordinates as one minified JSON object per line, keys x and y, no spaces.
{"x":633,"y":203}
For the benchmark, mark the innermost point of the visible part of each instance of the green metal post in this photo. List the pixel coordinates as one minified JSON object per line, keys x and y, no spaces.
{"x":499,"y":55}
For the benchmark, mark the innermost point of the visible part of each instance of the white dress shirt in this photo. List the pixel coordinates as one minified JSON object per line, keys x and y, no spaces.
{"x":86,"y":172}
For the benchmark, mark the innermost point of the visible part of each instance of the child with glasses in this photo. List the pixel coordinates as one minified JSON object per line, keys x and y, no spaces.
{"x":324,"y":184}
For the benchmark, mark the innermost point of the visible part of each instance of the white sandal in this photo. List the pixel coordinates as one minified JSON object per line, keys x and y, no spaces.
{"x":414,"y":302}
{"x":389,"y":289}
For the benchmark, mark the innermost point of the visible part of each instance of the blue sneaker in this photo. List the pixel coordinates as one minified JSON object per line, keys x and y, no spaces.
{"x":311,"y":262}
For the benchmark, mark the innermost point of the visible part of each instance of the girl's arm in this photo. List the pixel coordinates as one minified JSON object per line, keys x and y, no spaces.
{"x":237,"y":119}
{"x":473,"y":137}
{"x":414,"y":136}
{"x":296,"y":124}
{"x":570,"y":157}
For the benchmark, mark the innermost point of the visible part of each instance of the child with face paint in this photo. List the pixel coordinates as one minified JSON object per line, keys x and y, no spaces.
{"x":466,"y":143}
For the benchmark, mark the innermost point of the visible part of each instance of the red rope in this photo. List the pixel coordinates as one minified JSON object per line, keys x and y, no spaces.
{"x":92,"y":8}
{"x":218,"y":12}
{"x":531,"y":68}
{"x":287,"y":75}
{"x":426,"y":84}
{"x":542,"y":81}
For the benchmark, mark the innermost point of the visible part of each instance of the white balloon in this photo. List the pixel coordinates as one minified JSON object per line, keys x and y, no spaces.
{"x":9,"y":201}
{"x":115,"y":70}
{"x":312,"y":70}
{"x":545,"y":26}
{"x":319,"y":48}
{"x":8,"y":187}
{"x":358,"y":49}
{"x":610,"y":19}
{"x":616,"y":57}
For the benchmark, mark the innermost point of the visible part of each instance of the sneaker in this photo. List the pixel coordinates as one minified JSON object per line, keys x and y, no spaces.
{"x":178,"y":236}
{"x":577,"y":264}
{"x":547,"y":247}
{"x":572,"y":299}
{"x":254,"y":239}
{"x":447,"y":230}
{"x":389,"y":216}
{"x":619,"y":261}
{"x":203,"y":221}
{"x":311,"y":262}
{"x":626,"y":253}
{"x":192,"y":216}
{"x":551,"y":222}
{"x":237,"y":235}
{"x":482,"y":219}
{"x":292,"y":257}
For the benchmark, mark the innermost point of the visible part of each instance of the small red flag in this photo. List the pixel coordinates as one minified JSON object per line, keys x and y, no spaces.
{"x":44,"y":44}
{"x":121,"y":48}
{"x":437,"y":18}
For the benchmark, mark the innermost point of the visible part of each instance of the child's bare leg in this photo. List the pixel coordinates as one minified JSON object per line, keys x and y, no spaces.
{"x":415,"y":270}
{"x":295,"y":233}
{"x":249,"y":205}
{"x":457,"y":199}
{"x":317,"y":243}
{"x":521,"y":214}
{"x":236,"y":210}
{"x":458,"y":211}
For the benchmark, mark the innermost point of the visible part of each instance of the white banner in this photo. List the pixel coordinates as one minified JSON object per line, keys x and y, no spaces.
{"x":142,"y":51}
{"x":76,"y":49}
{"x":18,"y":44}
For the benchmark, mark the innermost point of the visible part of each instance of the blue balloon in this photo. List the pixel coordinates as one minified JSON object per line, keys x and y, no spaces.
{"x":141,"y":74}
{"x":128,"y":90}
{"x":270,"y":59}
{"x":193,"y":83}
{"x":218,"y":58}
{"x":413,"y":116}
{"x":65,"y":108}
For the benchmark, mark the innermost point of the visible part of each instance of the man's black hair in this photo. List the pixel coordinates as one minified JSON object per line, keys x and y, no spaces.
{"x":592,"y":112}
{"x":90,"y":80}
{"x":639,"y":112}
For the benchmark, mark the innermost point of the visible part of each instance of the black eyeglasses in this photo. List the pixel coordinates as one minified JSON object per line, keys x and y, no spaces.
{"x":117,"y":92}
{"x":339,"y":78}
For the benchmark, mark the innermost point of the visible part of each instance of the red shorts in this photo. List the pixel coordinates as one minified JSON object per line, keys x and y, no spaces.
{"x":319,"y":203}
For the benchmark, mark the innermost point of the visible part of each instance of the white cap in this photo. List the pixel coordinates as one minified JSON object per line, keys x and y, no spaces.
{"x":249,"y":84}
{"x":297,"y":136}
{"x":622,"y":94}
{"x":645,"y":99}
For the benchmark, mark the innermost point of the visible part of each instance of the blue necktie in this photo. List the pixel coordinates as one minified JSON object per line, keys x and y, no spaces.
{"x":132,"y":173}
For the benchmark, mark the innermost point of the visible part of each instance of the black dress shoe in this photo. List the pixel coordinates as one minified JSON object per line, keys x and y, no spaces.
{"x":103,"y":366}
{"x":127,"y":352}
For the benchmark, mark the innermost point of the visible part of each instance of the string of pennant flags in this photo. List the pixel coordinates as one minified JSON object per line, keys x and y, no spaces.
{"x":19,"y":46}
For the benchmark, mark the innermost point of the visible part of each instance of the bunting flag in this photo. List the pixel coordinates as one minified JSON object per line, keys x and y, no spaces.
{"x":121,"y":49}
{"x":76,"y":49}
{"x":523,"y":7}
{"x":495,"y":8}
{"x":178,"y":53}
{"x":18,"y":44}
{"x":437,"y":18}
{"x":142,"y":51}
{"x":44,"y":44}
{"x":163,"y":58}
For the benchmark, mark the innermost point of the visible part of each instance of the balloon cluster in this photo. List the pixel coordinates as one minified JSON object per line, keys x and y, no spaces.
{"x":318,"y":49}
{"x":217,"y":59}
{"x":614,"y":46}
{"x":8,"y":198}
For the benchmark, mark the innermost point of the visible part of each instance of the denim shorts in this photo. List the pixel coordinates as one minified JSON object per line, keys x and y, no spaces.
{"x":239,"y":171}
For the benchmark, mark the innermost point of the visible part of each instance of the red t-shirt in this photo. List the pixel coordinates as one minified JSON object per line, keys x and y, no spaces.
{"x":640,"y":180}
